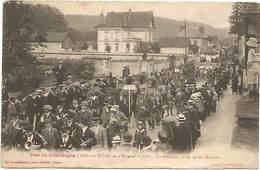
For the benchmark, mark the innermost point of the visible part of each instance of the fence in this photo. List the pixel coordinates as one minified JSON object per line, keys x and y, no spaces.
{"x":105,"y":63}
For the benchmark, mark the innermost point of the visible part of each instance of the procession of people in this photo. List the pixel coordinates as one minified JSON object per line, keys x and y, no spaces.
{"x":81,"y":115}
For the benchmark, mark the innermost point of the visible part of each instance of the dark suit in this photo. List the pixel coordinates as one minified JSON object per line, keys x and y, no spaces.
{"x":113,"y":129}
{"x":88,"y":135}
{"x":52,"y":138}
{"x":52,"y":100}
{"x":69,"y":144}
{"x":60,"y":74}
{"x":101,"y":136}
{"x":183,"y":138}
{"x":37,"y":140}
{"x":126,"y":72}
{"x":30,"y":109}
{"x":68,"y":98}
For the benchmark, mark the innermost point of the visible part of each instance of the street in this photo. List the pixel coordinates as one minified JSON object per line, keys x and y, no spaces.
{"x":216,"y":131}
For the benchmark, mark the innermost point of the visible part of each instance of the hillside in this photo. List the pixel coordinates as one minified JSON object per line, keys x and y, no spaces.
{"x":164,"y":26}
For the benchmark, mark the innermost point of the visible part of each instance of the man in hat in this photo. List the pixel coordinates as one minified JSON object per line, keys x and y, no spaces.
{"x":252,"y":67}
{"x":195,"y":121}
{"x":32,"y":140}
{"x":39,"y":101}
{"x":84,"y":110}
{"x":60,"y":94}
{"x":116,"y":142}
{"x":87,"y":138}
{"x":66,"y":141}
{"x":126,"y":71}
{"x":12,"y":128}
{"x":118,"y":116}
{"x":114,"y":126}
{"x":100,"y":133}
{"x":29,"y":107}
{"x":59,"y":73}
{"x":105,"y":115}
{"x":124,"y":107}
{"x":179,"y":101}
{"x":68,"y":94}
{"x":52,"y":99}
{"x":75,"y":108}
{"x":140,"y":133}
{"x":183,"y":135}
{"x":47,"y":114}
{"x":50,"y":134}
{"x":11,"y":107}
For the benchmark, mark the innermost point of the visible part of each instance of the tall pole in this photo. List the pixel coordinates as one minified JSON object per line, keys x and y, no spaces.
{"x":185,"y":29}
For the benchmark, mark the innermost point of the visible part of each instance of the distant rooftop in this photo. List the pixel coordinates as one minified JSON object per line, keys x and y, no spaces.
{"x":55,"y":36}
{"x":251,"y":8}
{"x":128,"y":19}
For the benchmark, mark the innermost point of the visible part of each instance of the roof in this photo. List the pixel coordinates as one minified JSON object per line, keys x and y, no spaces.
{"x":250,"y":8}
{"x":178,"y":42}
{"x":55,"y":36}
{"x":129,"y":19}
{"x":191,"y":32}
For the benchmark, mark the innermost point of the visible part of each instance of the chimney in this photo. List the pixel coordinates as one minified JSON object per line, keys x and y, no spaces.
{"x":102,"y":18}
{"x":129,"y":13}
{"x":201,"y":30}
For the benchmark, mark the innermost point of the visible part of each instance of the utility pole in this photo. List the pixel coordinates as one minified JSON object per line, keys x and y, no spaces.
{"x":185,"y":39}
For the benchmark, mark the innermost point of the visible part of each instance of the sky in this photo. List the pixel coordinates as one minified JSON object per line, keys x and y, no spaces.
{"x":212,"y":13}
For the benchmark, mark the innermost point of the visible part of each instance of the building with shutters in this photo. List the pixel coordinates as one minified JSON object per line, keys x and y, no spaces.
{"x":120,"y":32}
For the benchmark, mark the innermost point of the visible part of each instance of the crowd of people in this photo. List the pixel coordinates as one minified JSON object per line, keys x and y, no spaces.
{"x":80,"y":115}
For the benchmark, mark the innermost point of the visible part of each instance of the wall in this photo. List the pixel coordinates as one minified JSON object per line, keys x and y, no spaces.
{"x":172,"y":50}
{"x":105,"y":63}
{"x":50,"y":47}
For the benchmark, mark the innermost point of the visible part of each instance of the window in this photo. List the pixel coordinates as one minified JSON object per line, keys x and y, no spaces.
{"x":117,"y":47}
{"x":111,"y":36}
{"x":117,"y":36}
{"x":106,"y":36}
{"x":106,"y":46}
{"x":127,"y":47}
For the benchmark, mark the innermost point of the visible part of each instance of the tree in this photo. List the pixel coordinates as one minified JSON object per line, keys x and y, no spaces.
{"x":236,"y":19}
{"x":24,"y":28}
{"x":147,"y":47}
{"x":48,"y":18}
{"x":84,"y":45}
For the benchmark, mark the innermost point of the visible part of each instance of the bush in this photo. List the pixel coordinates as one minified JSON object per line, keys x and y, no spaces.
{"x":80,"y":69}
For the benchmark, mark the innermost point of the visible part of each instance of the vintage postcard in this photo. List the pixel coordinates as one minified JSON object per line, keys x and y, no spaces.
{"x":90,"y":84}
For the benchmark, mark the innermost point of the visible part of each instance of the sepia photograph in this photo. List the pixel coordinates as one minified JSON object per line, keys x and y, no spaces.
{"x":121,"y":84}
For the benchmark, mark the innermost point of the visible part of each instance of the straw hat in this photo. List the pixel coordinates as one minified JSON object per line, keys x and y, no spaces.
{"x":115,"y":108}
{"x":84,"y":103}
{"x":116,"y":139}
{"x":190,"y":102}
{"x":252,"y":42}
{"x":47,"y":107}
{"x":181,"y":117}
